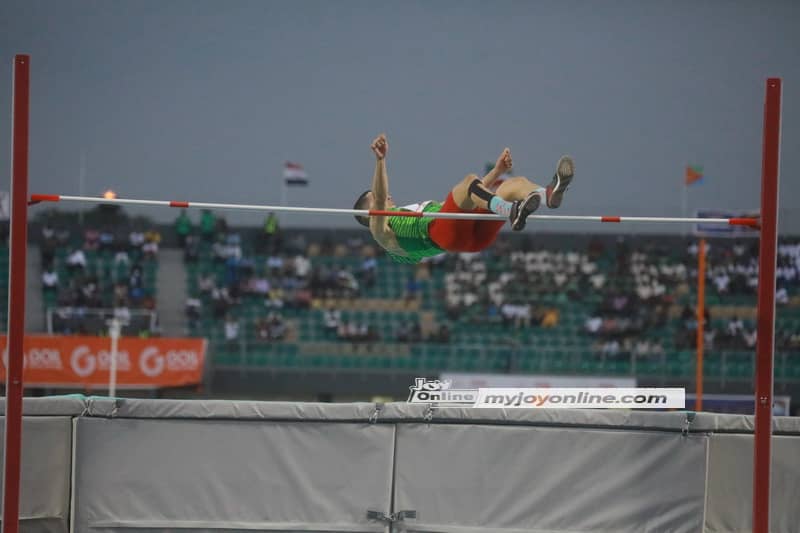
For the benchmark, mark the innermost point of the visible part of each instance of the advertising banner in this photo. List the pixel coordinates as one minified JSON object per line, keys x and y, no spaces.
{"x":84,"y":362}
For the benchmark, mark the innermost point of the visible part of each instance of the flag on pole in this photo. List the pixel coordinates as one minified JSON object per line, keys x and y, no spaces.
{"x":294,"y":175}
{"x":694,"y":173}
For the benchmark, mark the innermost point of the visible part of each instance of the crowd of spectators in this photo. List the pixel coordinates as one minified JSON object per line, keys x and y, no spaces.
{"x":512,"y":295}
{"x":633,"y":286}
{"x":278,"y":274}
{"x":89,"y":278}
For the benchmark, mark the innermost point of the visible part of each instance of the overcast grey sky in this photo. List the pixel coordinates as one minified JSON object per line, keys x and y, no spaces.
{"x":204,"y":100}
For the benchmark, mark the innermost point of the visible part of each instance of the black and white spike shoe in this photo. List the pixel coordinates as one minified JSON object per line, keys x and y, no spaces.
{"x":560,"y":182}
{"x":522,"y":208}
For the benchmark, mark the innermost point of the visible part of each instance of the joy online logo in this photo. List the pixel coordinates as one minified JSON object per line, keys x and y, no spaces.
{"x":437,"y":392}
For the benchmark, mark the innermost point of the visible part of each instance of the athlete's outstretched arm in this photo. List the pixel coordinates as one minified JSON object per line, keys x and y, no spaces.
{"x":379,"y":226}
{"x":380,"y":179}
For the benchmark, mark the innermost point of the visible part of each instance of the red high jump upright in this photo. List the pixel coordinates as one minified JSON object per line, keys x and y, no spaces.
{"x":762,"y":452}
{"x":16,"y":299}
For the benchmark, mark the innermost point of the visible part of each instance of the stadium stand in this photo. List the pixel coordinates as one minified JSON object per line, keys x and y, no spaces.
{"x":92,"y":276}
{"x":621,"y":307}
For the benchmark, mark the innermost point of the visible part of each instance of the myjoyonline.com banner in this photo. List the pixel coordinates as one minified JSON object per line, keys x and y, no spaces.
{"x":84,"y":362}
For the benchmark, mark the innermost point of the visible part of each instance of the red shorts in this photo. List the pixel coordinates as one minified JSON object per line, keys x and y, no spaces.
{"x":463,"y":235}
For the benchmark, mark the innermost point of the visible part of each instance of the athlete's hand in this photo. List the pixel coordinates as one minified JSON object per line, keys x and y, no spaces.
{"x":504,"y":162}
{"x":380,"y":146}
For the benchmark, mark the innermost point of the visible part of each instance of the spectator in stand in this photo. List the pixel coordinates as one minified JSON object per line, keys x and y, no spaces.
{"x":781,"y":296}
{"x":611,"y":348}
{"x":220,"y":250}
{"x":259,"y":285}
{"x":76,"y":260}
{"x":403,"y":333}
{"x":735,"y":327}
{"x":221,"y":226}
{"x":709,"y":336}
{"x":750,"y":338}
{"x":352,"y":331}
{"x":136,"y":285}
{"x":355,"y":244}
{"x":721,"y":281}
{"x":106,"y":240}
{"x":90,"y":293}
{"x":593,"y":324}
{"x":183,"y":227}
{"x":50,"y":281}
{"x":136,"y":240}
{"x":91,"y":240}
{"x":275,"y":265}
{"x":270,"y":234}
{"x":208,"y":225}
{"x":550,"y":318}
{"x":48,"y":246}
{"x":122,"y":257}
{"x":303,"y":297}
{"x":231,"y":333}
{"x":346,"y":283}
{"x":342,"y":331}
{"x":206,"y":283}
{"x":221,"y":301}
{"x":412,"y":291}
{"x":275,"y":297}
{"x":369,"y":272}
{"x":194,"y":308}
{"x":191,"y":249}
{"x":331,"y":320}
{"x":120,"y":292}
{"x":123,"y":314}
{"x":302,"y":267}
{"x":262,"y":329}
{"x":277,"y":327}
{"x":152,"y":239}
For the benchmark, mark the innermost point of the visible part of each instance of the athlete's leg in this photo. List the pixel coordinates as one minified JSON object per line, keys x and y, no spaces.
{"x":517,"y":188}
{"x":516,"y":197}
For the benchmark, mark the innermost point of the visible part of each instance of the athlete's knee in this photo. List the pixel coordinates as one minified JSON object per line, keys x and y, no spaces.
{"x":511,"y":187}
{"x":463,"y":185}
{"x":477,"y":189}
{"x":461,"y":192}
{"x":516,"y":180}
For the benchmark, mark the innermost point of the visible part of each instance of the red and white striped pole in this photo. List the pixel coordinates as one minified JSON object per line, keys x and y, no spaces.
{"x":38,"y":198}
{"x":16,"y":299}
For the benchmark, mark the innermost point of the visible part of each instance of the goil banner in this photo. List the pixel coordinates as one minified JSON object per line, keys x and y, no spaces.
{"x":85,"y":362}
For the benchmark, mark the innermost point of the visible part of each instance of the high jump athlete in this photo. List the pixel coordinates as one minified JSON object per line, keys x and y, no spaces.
{"x":410,"y":239}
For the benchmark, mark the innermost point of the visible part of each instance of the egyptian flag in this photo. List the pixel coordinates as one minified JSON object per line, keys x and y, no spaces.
{"x":694,"y":173}
{"x":294,"y":175}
